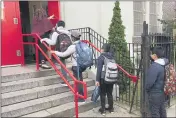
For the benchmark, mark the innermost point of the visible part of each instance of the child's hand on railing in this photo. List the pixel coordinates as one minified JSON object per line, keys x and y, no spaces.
{"x":52,"y":51}
{"x":42,"y":40}
{"x":97,"y":83}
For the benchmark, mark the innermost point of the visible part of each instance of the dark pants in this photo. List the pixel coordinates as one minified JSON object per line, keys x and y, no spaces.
{"x":62,"y":70}
{"x":106,"y":89}
{"x":41,"y":56}
{"x":80,"y":77}
{"x":157,"y":105}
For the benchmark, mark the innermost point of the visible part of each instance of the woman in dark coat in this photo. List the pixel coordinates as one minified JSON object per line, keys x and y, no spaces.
{"x":42,"y":25}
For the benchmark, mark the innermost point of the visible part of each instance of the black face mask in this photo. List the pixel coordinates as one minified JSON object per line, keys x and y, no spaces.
{"x":151,"y":59}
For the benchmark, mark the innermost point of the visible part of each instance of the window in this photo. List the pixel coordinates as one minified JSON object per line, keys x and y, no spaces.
{"x":139,"y":17}
{"x":153,"y":16}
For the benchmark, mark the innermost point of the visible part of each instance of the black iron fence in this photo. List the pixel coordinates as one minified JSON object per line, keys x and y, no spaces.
{"x":129,"y":58}
{"x":136,"y":60}
{"x":150,"y":40}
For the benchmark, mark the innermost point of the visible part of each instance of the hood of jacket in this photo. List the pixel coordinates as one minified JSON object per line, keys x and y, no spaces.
{"x":108,"y":55}
{"x":63,"y":30}
{"x":162,"y":61}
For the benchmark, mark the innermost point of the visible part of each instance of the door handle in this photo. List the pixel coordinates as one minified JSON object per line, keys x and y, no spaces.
{"x":15,"y":20}
{"x":18,"y":53}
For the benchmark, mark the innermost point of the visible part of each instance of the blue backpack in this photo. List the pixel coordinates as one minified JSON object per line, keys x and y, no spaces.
{"x":84,"y":55}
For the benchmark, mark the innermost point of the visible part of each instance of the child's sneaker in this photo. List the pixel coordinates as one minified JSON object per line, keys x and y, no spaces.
{"x":102,"y":111}
{"x":111,"y":110}
{"x":44,"y":65}
{"x":63,"y":84}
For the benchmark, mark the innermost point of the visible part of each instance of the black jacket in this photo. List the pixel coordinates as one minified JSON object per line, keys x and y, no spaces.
{"x":155,"y":77}
{"x":100,"y":64}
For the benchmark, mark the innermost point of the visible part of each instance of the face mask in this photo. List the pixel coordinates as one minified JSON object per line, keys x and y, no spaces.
{"x":151,"y":59}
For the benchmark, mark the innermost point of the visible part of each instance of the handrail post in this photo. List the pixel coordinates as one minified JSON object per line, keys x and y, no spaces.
{"x":36,"y":54}
{"x":76,"y":99}
{"x":23,"y":57}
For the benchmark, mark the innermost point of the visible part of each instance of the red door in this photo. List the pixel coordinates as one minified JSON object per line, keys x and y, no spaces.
{"x":54,"y":8}
{"x":11,"y":34}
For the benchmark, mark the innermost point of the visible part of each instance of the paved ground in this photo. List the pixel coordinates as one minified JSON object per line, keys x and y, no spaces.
{"x":171,"y":112}
{"x":121,"y":112}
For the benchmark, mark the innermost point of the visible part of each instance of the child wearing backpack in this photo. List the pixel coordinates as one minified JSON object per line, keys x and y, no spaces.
{"x":107,"y":75}
{"x":59,"y":34}
{"x":155,"y":82}
{"x":82,"y":58}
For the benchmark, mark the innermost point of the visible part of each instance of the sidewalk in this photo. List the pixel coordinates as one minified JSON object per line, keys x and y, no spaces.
{"x":121,"y":112}
{"x":171,"y":112}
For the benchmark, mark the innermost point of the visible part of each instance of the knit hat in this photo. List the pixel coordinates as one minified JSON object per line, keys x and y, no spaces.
{"x":76,"y":33}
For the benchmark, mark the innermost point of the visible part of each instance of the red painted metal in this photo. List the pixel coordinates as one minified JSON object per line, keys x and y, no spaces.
{"x":76,"y":100}
{"x":11,"y":36}
{"x":36,"y":55}
{"x":132,"y":77}
{"x":76,"y":82}
{"x":9,"y":50}
{"x":54,"y":8}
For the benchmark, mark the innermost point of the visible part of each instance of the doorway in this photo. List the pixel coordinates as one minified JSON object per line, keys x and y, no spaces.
{"x":27,"y":10}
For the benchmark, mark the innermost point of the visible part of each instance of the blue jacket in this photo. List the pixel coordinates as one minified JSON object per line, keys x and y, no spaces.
{"x":100,"y":64}
{"x":155,"y":77}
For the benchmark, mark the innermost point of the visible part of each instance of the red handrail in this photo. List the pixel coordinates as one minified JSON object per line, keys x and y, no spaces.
{"x":74,"y":90}
{"x":133,"y":77}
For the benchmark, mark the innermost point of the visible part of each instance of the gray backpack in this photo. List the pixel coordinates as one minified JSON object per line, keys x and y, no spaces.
{"x":110,"y":71}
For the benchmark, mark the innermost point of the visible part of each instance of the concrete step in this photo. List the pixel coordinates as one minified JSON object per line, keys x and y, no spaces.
{"x":32,"y":82}
{"x":38,"y":92}
{"x":36,"y":105}
{"x":29,"y":83}
{"x":65,"y":110}
{"x":21,"y":76}
{"x":27,"y":73}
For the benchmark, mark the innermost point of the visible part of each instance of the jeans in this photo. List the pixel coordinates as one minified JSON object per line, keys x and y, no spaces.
{"x":62,"y":70}
{"x":157,"y":105}
{"x":106,"y":89}
{"x":75,"y":74}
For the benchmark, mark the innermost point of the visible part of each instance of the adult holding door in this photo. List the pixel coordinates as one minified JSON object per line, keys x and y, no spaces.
{"x":42,"y":25}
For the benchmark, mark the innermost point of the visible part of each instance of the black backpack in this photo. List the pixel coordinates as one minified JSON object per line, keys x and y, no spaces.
{"x":62,"y":43}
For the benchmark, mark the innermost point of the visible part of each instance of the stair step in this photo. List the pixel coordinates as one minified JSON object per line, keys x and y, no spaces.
{"x":32,"y":82}
{"x":64,"y":110}
{"x":29,"y":72}
{"x":40,"y":114}
{"x":36,"y":105}
{"x":68,"y":110}
{"x":29,"y":83}
{"x":38,"y":92}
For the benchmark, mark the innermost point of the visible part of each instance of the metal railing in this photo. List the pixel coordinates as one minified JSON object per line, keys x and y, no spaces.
{"x":133,"y":56}
{"x":76,"y":82}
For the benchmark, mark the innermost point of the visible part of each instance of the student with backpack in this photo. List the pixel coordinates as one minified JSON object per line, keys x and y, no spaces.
{"x":61,"y":39}
{"x":82,"y":58}
{"x":107,"y":75}
{"x":155,"y":82}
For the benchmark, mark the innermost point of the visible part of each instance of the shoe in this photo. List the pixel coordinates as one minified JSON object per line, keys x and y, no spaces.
{"x":102,"y":111}
{"x":44,"y":65}
{"x":111,"y":110}
{"x":81,"y":101}
{"x":64,"y":84}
